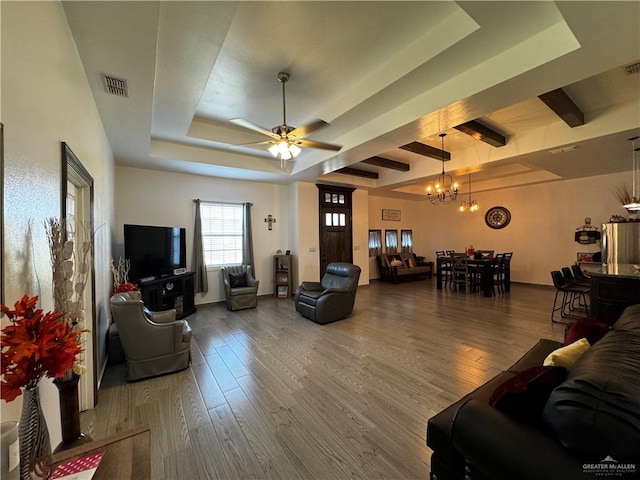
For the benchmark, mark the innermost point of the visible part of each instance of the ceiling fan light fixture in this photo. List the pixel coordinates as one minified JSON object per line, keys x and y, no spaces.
{"x":285,"y":150}
{"x":294,"y":149}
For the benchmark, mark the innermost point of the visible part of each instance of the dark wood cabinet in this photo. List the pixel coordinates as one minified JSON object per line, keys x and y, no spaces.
{"x":176,"y":291}
{"x":612,"y":292}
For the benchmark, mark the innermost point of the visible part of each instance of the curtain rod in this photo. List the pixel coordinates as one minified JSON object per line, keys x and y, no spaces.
{"x":218,"y":201}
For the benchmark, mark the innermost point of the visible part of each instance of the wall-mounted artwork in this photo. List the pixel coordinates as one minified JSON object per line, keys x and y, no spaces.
{"x":393,"y":215}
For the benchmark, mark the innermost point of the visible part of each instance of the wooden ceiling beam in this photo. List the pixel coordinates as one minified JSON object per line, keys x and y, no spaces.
{"x":357,"y":172}
{"x":427,"y":151}
{"x":481,"y":132}
{"x":562,"y":105}
{"x":387,"y":163}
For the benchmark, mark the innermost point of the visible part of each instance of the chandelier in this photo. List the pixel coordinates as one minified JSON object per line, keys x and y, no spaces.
{"x":471,"y":205}
{"x":442,"y":188}
{"x":634,"y":204}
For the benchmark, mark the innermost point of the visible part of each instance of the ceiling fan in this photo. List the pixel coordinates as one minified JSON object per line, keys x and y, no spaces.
{"x":285,"y":139}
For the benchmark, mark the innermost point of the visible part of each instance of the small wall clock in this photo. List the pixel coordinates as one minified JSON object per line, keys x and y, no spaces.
{"x":497,"y":217}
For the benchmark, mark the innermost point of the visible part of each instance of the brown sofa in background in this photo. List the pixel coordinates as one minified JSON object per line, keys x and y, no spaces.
{"x":395,"y":267}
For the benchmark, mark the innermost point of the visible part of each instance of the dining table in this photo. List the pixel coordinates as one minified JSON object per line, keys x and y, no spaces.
{"x":486,"y":266}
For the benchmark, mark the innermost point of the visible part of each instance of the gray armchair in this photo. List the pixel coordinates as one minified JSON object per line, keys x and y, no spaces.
{"x":332,"y":298}
{"x":154,"y":343}
{"x":240,"y":288}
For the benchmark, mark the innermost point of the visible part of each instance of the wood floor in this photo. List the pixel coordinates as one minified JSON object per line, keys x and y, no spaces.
{"x":271,"y":395}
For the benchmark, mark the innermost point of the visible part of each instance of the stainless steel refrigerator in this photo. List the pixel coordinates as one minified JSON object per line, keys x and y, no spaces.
{"x":621,"y":243}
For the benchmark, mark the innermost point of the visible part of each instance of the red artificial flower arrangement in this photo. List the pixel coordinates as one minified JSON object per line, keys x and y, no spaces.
{"x":126,"y":287}
{"x":35,"y":345}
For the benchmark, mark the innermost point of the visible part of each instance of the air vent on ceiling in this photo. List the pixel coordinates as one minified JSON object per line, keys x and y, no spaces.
{"x":633,"y":68}
{"x":116,"y":86}
{"x":563,"y":149}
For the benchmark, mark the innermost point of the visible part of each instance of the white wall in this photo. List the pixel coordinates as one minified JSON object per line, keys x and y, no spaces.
{"x":308,"y":231}
{"x":46,"y":99}
{"x":410,"y":219}
{"x":360,"y":233}
{"x":543,"y":224}
{"x":148,"y":197}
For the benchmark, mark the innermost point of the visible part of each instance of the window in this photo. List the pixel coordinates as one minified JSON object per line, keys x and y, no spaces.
{"x":222,"y":233}
{"x":375,"y":243}
{"x":335,"y":219}
{"x":406,"y":241}
{"x":391,"y":241}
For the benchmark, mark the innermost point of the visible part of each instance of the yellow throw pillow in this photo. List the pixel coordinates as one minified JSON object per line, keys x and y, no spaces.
{"x":567,"y":356}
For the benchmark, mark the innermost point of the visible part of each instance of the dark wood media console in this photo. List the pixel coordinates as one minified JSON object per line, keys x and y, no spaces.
{"x":174,"y":291}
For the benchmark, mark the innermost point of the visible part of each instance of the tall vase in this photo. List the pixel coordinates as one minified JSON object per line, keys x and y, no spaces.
{"x":35,"y":446}
{"x":69,"y":408}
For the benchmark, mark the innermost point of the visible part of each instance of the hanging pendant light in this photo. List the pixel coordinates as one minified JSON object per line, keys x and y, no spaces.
{"x":471,"y":205}
{"x":442,"y":189}
{"x":634,"y":204}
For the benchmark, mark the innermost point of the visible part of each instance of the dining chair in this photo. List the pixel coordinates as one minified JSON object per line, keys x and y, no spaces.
{"x":460,"y":270}
{"x":498,"y":273}
{"x":444,"y":262}
{"x":501,"y":269}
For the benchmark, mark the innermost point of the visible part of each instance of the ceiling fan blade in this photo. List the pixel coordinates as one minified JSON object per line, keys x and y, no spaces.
{"x":307,"y":129}
{"x":320,"y":145}
{"x":265,"y":142}
{"x":241,"y":122}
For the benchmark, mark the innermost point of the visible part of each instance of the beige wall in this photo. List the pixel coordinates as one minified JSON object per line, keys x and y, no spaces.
{"x":46,"y":99}
{"x":148,"y":197}
{"x":410,"y":219}
{"x":541,"y":232}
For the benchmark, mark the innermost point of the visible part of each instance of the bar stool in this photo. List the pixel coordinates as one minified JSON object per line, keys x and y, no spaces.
{"x":570,"y":294}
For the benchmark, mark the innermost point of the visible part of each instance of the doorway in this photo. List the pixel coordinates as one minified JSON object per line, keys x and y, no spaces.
{"x":336,"y":243}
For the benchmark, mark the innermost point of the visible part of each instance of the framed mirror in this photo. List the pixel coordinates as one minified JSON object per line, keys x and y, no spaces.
{"x":76,"y":207}
{"x":2,"y":208}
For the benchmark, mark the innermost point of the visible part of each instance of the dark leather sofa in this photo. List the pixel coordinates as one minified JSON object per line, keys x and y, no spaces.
{"x":589,"y":423}
{"x":333,"y":297}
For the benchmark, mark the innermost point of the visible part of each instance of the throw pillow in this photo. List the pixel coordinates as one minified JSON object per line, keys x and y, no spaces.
{"x":396,"y":263}
{"x":567,"y":356}
{"x":410,"y":263}
{"x":589,"y":328}
{"x":523,"y":396}
{"x":237,"y":280}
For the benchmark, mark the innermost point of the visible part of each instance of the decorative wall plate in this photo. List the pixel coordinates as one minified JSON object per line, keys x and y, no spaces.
{"x":497,"y":217}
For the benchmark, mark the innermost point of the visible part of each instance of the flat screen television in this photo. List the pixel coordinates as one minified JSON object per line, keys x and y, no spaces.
{"x":154,"y":251}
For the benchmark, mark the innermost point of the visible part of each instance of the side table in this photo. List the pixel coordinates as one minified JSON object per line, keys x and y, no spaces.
{"x":126,"y":455}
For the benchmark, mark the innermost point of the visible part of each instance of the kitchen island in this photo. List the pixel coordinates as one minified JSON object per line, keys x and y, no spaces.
{"x":614,"y":287}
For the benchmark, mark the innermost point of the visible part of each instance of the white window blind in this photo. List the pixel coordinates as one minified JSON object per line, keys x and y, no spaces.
{"x":222,"y":233}
{"x":406,"y":240}
{"x":375,"y":243}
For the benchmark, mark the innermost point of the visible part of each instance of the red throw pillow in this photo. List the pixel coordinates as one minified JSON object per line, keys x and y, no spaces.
{"x":523,"y":396}
{"x":589,"y":328}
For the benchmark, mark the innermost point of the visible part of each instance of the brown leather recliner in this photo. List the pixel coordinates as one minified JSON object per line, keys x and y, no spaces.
{"x":332,"y":298}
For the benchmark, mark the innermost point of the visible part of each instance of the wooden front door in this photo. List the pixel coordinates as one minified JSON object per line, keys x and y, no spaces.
{"x":335,"y":225}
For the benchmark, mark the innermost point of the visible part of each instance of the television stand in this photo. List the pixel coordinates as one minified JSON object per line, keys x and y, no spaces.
{"x":171,"y":291}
